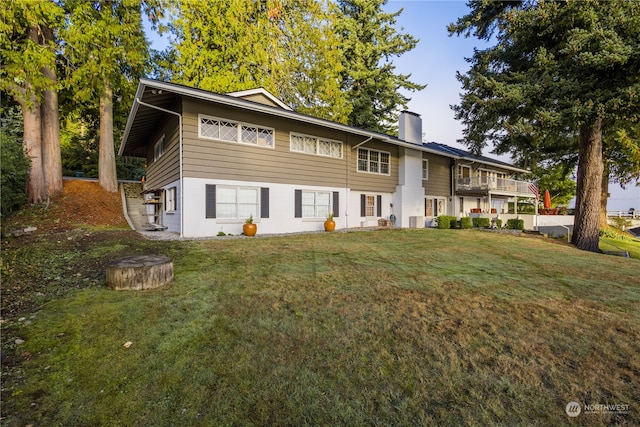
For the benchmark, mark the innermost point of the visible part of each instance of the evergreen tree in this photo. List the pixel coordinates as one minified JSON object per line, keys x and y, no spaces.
{"x":568,"y":70}
{"x":369,"y":42}
{"x":287,"y":47}
{"x":107,"y":50}
{"x":27,"y":48}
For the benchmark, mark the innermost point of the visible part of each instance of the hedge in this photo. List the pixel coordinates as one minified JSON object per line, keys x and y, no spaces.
{"x":465,"y":222}
{"x":481,"y":222}
{"x":515,"y":224}
{"x":444,"y":221}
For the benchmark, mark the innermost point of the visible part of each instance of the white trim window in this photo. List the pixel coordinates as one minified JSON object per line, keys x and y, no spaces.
{"x":309,"y":144}
{"x":434,"y":206}
{"x":158,"y":148}
{"x":316,"y":204}
{"x":170,"y":200}
{"x":373,"y":161}
{"x":237,"y":202}
{"x":425,"y":169}
{"x":231,"y":131}
{"x":369,"y":205}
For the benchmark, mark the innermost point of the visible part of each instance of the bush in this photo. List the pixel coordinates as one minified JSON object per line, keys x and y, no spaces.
{"x":481,"y":222}
{"x":444,"y":222}
{"x":515,"y":224}
{"x":14,"y":169}
{"x":465,"y":222}
{"x":499,"y":223}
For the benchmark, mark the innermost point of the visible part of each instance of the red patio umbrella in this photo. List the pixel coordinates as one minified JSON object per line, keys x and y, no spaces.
{"x":547,"y":199}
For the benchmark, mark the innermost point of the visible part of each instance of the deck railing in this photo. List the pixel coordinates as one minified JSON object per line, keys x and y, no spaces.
{"x":485,"y":183}
{"x":631,"y":213}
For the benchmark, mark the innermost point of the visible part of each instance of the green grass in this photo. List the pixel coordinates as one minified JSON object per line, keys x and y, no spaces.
{"x":629,"y":244}
{"x":400,"y":327}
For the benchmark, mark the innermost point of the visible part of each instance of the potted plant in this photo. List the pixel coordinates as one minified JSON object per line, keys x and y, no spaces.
{"x":249,"y":228}
{"x":329,"y":224}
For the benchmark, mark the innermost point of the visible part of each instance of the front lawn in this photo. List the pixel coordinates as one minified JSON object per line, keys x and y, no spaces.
{"x":395,"y":327}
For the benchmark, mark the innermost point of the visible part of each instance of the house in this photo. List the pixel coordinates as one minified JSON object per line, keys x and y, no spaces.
{"x":213,"y":160}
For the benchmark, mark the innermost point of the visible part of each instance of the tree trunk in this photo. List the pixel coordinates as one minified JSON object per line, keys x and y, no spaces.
{"x":107,"y":156}
{"x":32,"y":137}
{"x":51,"y":157}
{"x":32,"y":142}
{"x":604,"y":194}
{"x":586,"y":232}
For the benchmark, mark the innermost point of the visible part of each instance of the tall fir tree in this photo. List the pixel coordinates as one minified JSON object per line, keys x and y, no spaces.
{"x":287,"y":47}
{"x":567,"y":70}
{"x":369,"y":78}
{"x":107,"y":51}
{"x":28,"y":73}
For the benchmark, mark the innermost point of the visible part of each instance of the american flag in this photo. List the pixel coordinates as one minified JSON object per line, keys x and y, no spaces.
{"x":534,"y":189}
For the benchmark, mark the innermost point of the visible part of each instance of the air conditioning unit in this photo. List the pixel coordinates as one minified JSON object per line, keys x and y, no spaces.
{"x":416,"y":222}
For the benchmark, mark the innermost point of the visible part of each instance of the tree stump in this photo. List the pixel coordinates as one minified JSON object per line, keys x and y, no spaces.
{"x":139,"y":272}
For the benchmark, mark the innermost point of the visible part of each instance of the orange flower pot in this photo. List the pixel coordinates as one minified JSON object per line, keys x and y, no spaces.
{"x":250,"y":229}
{"x":329,"y":225}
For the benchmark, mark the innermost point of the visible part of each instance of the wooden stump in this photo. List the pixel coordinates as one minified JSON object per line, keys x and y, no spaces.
{"x":139,"y":272}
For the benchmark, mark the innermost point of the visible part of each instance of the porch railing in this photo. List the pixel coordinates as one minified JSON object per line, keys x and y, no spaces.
{"x":485,"y":183}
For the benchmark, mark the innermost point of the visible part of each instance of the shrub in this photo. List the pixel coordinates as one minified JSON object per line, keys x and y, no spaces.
{"x":465,"y":222}
{"x":515,"y":224}
{"x":481,"y":222}
{"x":15,"y":170}
{"x":444,"y":221}
{"x":499,"y":223}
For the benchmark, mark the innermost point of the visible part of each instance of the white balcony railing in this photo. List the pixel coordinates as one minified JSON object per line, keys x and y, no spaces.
{"x":503,"y":185}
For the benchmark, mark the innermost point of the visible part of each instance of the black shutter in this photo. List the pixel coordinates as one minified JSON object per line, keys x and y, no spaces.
{"x":336,"y":204}
{"x":264,"y":202}
{"x":363,"y":205}
{"x":210,"y":201}
{"x":298,"y":204}
{"x":379,"y":203}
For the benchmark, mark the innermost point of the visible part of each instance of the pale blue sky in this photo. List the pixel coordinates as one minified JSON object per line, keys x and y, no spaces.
{"x":434,"y":62}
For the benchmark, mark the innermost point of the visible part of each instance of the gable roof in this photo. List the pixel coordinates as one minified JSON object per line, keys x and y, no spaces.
{"x":258,"y":93}
{"x":155,"y":99}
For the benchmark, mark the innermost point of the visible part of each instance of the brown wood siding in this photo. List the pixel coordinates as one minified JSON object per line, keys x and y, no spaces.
{"x":363,"y":181}
{"x":166,"y":169}
{"x":439,"y":182}
{"x":205,"y":158}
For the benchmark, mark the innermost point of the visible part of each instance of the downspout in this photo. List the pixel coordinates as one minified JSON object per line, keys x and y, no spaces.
{"x":453,"y":194}
{"x":180,"y":157}
{"x":348,"y":190}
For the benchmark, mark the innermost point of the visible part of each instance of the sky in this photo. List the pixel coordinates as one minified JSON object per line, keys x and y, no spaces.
{"x":434,"y":62}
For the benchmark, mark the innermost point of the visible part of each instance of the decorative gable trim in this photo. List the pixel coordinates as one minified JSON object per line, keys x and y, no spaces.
{"x":260,"y":91}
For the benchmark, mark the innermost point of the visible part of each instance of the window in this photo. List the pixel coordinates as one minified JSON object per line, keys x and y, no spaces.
{"x":316,"y":204}
{"x":170,"y":199}
{"x":158,"y":148}
{"x":373,"y":161}
{"x":312,"y":204}
{"x":461,"y":205}
{"x":464,"y":171}
{"x":315,"y":145}
{"x":370,"y":205}
{"x":425,"y":169}
{"x":237,"y":202}
{"x":434,"y":206}
{"x":428,"y":207}
{"x":231,"y":131}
